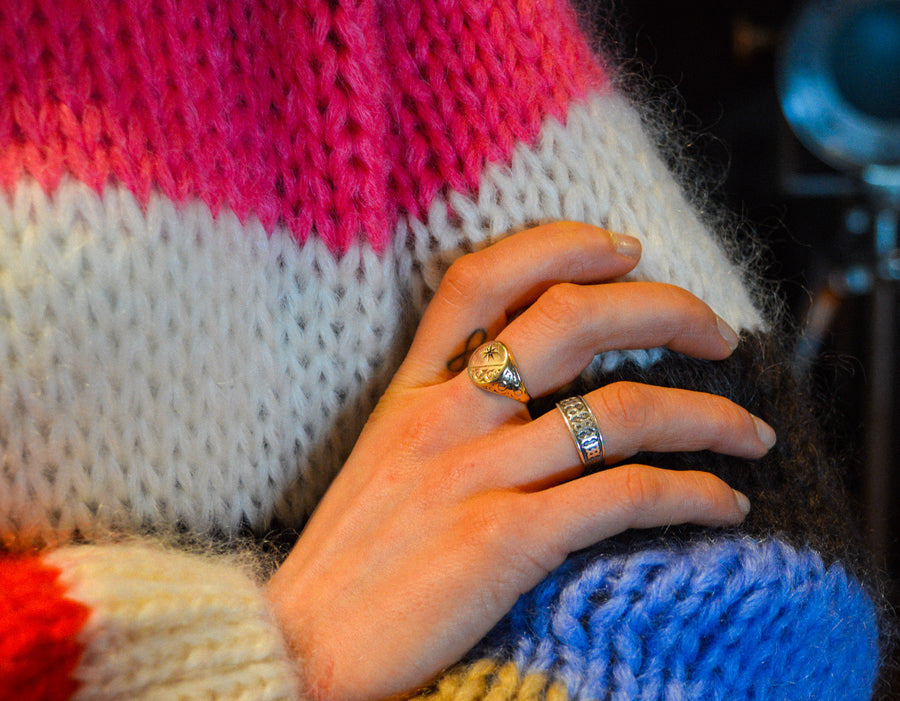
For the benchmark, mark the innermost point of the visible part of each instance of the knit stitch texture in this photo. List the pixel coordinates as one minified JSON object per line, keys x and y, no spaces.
{"x":283,"y":110}
{"x":710,"y":620}
{"x":219,"y":225}
{"x":39,"y":624}
{"x":169,"y":625}
{"x":172,"y":301}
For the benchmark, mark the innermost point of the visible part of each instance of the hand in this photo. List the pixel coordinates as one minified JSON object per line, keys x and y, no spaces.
{"x":454,"y":502}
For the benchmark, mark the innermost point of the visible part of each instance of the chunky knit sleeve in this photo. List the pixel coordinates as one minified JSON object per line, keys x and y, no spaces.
{"x":719,"y":619}
{"x":136,"y":622}
{"x":219,"y":225}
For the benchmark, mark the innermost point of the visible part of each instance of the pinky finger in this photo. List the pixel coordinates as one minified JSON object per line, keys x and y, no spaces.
{"x":587,"y":510}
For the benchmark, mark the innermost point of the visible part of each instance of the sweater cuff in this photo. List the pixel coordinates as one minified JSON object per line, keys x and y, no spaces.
{"x":165,"y":624}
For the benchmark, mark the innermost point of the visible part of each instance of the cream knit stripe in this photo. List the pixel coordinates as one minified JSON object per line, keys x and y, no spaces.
{"x":166,"y":625}
{"x":600,"y":168}
{"x":165,"y":366}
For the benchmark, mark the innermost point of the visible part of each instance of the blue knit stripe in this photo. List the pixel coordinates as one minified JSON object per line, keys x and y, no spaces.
{"x":725,"y":619}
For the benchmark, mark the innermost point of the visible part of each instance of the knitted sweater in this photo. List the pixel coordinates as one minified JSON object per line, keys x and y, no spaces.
{"x":219,"y":223}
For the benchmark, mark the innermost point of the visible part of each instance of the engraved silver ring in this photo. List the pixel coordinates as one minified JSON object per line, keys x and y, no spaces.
{"x":582,"y":424}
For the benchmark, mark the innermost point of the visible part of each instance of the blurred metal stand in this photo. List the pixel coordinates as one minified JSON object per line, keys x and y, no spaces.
{"x":839,"y":86}
{"x":880,"y":405}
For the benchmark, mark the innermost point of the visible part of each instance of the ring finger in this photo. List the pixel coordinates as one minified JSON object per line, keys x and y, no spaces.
{"x":634,"y":417}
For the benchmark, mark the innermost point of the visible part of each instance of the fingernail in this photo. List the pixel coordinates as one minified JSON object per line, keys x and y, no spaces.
{"x":765,"y":432}
{"x":742,"y":501}
{"x":728,"y":333}
{"x":627,"y":246}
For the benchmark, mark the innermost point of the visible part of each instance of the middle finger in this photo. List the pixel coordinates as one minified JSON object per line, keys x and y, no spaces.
{"x":557,"y":337}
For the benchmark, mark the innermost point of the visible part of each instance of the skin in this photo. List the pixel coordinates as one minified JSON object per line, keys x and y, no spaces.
{"x":454,"y":502}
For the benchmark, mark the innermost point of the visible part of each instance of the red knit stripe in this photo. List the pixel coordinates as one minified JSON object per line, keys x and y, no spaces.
{"x":38,"y":627}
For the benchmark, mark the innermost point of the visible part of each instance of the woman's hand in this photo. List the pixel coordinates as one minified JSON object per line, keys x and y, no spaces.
{"x":454,"y":502}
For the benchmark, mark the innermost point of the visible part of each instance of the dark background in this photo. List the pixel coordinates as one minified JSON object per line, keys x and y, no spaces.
{"x":720,"y":57}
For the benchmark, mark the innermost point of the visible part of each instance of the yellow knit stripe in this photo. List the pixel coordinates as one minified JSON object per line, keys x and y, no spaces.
{"x":489,"y":680}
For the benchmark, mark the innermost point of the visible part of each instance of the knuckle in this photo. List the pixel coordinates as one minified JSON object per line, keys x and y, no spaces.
{"x":630,"y":405}
{"x":643,"y":488}
{"x":730,"y":425}
{"x":725,"y":421}
{"x":710,"y":489}
{"x":463,"y":281}
{"x":561,"y":305}
{"x":687,"y":314}
{"x":704,"y":492}
{"x":680,"y":298}
{"x":420,"y":426}
{"x":487,"y":521}
{"x":501,"y":529}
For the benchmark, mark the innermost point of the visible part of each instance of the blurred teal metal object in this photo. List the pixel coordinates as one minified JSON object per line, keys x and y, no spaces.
{"x":839,"y":83}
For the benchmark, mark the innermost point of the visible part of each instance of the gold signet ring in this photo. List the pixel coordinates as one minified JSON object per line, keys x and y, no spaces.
{"x":493,"y":368}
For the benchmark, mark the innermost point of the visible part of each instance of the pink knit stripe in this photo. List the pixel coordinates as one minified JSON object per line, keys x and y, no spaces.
{"x":475,"y":79}
{"x":322,"y":115}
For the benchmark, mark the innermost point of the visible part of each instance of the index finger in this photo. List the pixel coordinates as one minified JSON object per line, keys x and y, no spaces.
{"x":481,"y":290}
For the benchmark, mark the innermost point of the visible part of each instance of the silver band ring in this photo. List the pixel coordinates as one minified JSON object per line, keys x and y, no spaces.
{"x":585,"y":432}
{"x":493,"y":369}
